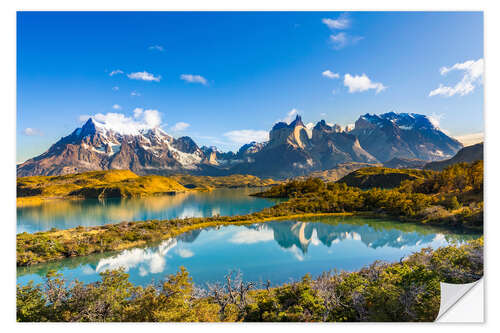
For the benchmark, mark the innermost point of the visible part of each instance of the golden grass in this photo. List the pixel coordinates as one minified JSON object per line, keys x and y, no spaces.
{"x":121,"y":183}
{"x":118,"y":183}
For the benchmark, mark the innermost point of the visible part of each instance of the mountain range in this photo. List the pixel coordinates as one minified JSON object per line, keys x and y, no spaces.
{"x":292,"y":150}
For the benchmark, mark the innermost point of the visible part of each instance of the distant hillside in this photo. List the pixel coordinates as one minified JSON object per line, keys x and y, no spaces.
{"x":332,"y":175}
{"x":405,"y":163}
{"x":468,"y":154}
{"x":381,"y":177}
{"x":95,"y":184}
{"x":208,"y":182}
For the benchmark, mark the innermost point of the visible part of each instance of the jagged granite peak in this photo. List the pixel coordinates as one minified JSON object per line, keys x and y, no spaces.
{"x":332,"y":146}
{"x":95,"y":147}
{"x":323,"y":126}
{"x":186,"y":144}
{"x":290,"y":151}
{"x":293,"y":134}
{"x":403,"y":135}
{"x":297,"y":122}
{"x":250,"y":148}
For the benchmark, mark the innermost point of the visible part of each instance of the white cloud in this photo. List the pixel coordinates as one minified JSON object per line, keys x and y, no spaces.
{"x":297,"y":253}
{"x":194,"y":78}
{"x":116,"y":88}
{"x":341,"y":40}
{"x":473,"y":71}
{"x":435,"y":118}
{"x":135,"y":93}
{"x":331,"y":75}
{"x":185,"y":253}
{"x":342,"y":22}
{"x":146,"y":260}
{"x":290,"y":116}
{"x":471,"y":139}
{"x":31,"y":131}
{"x":117,"y":107}
{"x":309,"y":129}
{"x":156,"y":48}
{"x":246,"y":136}
{"x":115,"y":72}
{"x":141,"y":120}
{"x":180,"y":126}
{"x":252,"y":236}
{"x":360,"y":83}
{"x":144,"y":76}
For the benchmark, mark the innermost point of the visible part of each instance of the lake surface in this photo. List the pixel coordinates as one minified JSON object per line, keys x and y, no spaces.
{"x":65,"y":214}
{"x":276,"y":251}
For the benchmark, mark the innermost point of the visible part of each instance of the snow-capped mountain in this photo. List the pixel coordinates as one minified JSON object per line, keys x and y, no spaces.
{"x":97,"y":147}
{"x":403,"y":135}
{"x":292,"y":150}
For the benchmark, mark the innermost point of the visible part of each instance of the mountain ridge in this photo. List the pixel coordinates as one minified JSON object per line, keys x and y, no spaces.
{"x":292,"y":150}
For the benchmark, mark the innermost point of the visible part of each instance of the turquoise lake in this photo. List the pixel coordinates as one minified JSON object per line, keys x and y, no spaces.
{"x":278,"y":251}
{"x":65,"y":214}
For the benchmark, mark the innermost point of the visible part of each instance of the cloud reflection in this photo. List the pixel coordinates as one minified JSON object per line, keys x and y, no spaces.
{"x":147,"y":260}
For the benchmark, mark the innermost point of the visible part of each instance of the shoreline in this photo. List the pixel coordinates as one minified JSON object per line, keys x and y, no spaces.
{"x":175,"y":230}
{"x":171,"y":228}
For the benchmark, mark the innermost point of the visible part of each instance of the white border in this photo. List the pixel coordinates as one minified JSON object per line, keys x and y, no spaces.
{"x":8,"y":149}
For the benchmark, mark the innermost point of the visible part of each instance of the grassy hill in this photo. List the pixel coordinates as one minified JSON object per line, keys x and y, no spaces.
{"x":382,"y":177}
{"x":208,"y":182}
{"x":94,"y":184}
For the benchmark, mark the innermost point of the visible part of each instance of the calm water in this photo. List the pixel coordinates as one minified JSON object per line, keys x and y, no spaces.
{"x":65,"y":214}
{"x":278,"y":251}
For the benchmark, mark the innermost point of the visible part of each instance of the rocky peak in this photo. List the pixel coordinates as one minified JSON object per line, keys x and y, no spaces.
{"x":88,"y":128}
{"x":297,"y":122}
{"x":403,"y":135}
{"x":250,"y":148}
{"x":322,"y":128}
{"x":293,"y":134}
{"x":185,"y":144}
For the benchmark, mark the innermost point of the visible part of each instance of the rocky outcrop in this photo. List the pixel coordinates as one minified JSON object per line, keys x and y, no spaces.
{"x":94,"y":147}
{"x":403,"y":135}
{"x":291,"y":152}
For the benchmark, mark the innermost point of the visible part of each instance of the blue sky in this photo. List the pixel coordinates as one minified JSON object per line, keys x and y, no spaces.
{"x":224,"y":78}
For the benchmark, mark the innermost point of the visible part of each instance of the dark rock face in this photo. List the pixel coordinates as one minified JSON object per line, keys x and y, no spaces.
{"x":403,"y":135}
{"x":185,"y":144}
{"x":93,"y":147}
{"x":468,"y":154}
{"x":249,"y":149}
{"x":331,"y":146}
{"x":292,"y":150}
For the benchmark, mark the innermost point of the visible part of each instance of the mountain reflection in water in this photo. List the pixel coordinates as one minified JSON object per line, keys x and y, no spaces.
{"x":64,"y":214}
{"x":274,"y":250}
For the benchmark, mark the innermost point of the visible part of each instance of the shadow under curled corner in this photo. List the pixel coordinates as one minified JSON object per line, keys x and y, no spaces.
{"x":462,"y":302}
